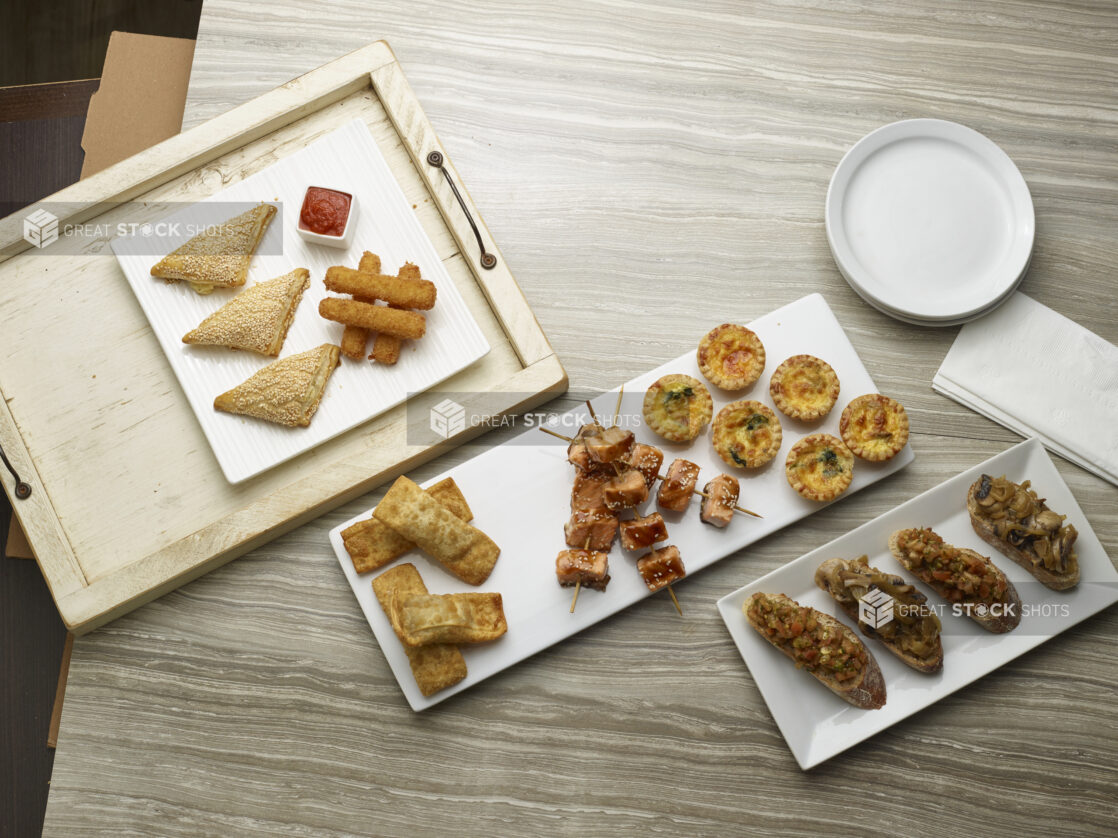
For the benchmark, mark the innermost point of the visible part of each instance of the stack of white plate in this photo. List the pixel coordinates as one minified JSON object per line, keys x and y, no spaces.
{"x":930,"y":222}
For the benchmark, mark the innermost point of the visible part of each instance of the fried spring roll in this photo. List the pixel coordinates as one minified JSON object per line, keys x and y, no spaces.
{"x":372,"y":544}
{"x":463,"y":550}
{"x":398,"y":291}
{"x":404,"y":324}
{"x":425,"y":619}
{"x":434,"y":667}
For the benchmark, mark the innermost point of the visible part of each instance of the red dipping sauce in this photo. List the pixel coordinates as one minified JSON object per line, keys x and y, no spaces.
{"x":325,"y":211}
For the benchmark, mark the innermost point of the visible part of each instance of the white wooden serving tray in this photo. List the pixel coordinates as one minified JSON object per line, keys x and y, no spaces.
{"x":357,"y":391}
{"x":127,"y":500}
{"x":525,"y":511}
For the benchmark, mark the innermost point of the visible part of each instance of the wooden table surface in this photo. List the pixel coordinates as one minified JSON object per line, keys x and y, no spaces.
{"x":649,"y":170}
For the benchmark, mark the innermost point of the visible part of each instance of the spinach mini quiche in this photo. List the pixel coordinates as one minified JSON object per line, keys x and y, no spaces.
{"x":747,"y":434}
{"x":678,"y":407}
{"x":819,"y":467}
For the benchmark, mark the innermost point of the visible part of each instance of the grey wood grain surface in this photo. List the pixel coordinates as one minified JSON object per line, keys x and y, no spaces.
{"x":649,"y":170}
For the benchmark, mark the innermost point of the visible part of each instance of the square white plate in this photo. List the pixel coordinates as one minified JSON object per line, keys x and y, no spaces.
{"x":347,"y":158}
{"x":817,"y":724}
{"x":520,"y":495}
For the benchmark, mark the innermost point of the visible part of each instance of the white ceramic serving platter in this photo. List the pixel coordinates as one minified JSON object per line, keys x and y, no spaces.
{"x":817,"y":724}
{"x":347,"y":158}
{"x":930,"y":219}
{"x":520,"y":495}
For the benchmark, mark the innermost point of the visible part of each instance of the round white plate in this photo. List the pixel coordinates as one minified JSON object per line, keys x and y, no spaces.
{"x":930,"y":220}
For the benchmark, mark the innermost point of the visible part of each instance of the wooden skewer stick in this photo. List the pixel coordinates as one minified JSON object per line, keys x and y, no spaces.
{"x":675,"y":601}
{"x":617,"y":410}
{"x":593,"y":415}
{"x":553,"y":433}
{"x":578,"y":582}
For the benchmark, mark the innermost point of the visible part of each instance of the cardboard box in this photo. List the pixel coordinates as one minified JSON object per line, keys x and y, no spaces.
{"x":141,"y":98}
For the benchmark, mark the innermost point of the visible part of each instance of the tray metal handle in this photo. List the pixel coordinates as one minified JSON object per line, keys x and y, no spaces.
{"x":488,"y":260}
{"x":23,"y":489}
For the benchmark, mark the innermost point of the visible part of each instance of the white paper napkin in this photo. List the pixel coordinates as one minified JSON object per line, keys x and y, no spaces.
{"x":1042,"y":375}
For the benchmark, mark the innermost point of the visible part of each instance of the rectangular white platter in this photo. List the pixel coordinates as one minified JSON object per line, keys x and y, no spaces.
{"x":520,"y":495}
{"x":347,"y":159}
{"x":817,"y":724}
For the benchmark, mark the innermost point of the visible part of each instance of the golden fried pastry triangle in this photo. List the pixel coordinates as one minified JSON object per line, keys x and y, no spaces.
{"x":218,"y":256}
{"x":256,"y":319}
{"x":286,"y":391}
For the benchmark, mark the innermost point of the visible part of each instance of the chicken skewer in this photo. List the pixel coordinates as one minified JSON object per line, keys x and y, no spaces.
{"x":698,"y":492}
{"x":617,"y":470}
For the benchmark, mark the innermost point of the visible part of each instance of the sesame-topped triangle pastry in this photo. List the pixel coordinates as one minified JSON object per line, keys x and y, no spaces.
{"x":219,"y":255}
{"x":286,"y":391}
{"x":257,"y":319}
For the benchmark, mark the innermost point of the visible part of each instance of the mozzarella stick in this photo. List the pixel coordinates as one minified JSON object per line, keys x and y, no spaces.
{"x":394,"y":290}
{"x":409,"y":325}
{"x":354,"y":338}
{"x":386,"y":348}
{"x":463,"y":550}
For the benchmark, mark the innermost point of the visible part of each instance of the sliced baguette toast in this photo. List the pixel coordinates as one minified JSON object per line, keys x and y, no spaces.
{"x":866,"y":690}
{"x":1064,"y":574}
{"x":218,"y":257}
{"x":994,"y":615}
{"x":257,"y":319}
{"x":827,"y":577}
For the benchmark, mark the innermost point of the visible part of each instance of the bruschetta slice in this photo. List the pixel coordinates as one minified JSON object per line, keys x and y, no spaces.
{"x":961,"y":576}
{"x":820,"y":645}
{"x":907,"y":626}
{"x":1012,"y":519}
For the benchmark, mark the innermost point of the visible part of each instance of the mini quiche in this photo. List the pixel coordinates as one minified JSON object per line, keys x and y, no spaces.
{"x":875,"y":427}
{"x":678,"y":407}
{"x":804,"y":387}
{"x":819,"y":467}
{"x":747,"y":434}
{"x":731,"y":357}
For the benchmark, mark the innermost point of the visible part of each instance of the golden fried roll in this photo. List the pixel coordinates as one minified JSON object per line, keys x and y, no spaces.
{"x":409,"y":325}
{"x":804,"y":387}
{"x":677,"y":407}
{"x":747,"y":434}
{"x":678,"y":485}
{"x":640,"y":532}
{"x":591,"y":529}
{"x":660,"y":568}
{"x":721,"y":498}
{"x":434,"y":667}
{"x":426,"y":619}
{"x":588,"y":567}
{"x":625,"y":491}
{"x":371,"y":544}
{"x":819,"y":467}
{"x":731,"y":357}
{"x":646,"y":459}
{"x":463,"y":550}
{"x":875,"y":427}
{"x":354,"y":338}
{"x":403,"y":293}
